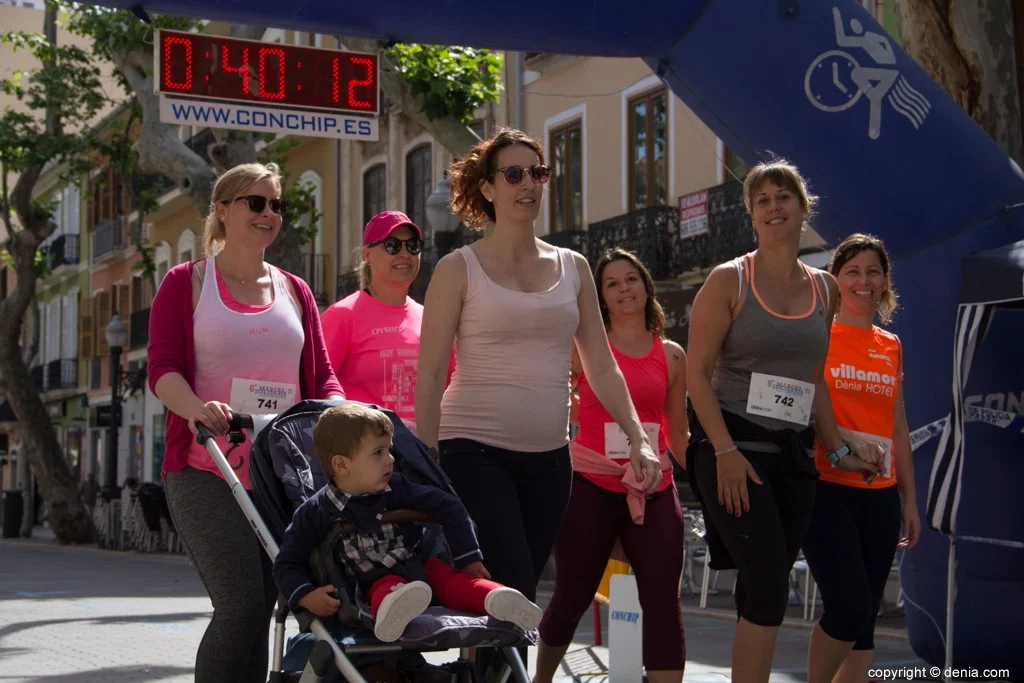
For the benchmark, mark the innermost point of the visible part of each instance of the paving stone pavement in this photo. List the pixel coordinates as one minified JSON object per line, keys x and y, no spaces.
{"x":84,"y":615}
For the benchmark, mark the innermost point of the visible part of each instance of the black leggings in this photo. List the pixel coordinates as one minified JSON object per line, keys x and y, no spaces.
{"x":849,"y":548}
{"x":517,"y":501}
{"x":236,"y":572}
{"x":765,"y":541}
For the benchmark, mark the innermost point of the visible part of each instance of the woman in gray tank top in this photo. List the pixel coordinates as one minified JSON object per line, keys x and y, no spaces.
{"x":759,"y":333}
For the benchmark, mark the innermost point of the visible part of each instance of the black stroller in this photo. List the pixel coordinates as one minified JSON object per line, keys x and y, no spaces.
{"x":284,"y":473}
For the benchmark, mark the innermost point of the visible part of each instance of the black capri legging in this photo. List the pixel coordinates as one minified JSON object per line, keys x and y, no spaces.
{"x":517,"y":501}
{"x":764,"y":541}
{"x":849,"y":548}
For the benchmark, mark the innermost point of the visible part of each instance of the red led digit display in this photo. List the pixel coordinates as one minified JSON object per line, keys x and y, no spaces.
{"x":216,"y":67}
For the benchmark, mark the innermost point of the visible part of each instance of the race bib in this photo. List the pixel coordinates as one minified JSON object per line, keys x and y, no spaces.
{"x":780,"y":398}
{"x":260,"y":397}
{"x":616,"y":443}
{"x":886,"y":444}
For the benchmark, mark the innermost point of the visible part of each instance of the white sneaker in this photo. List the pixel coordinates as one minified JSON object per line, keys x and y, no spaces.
{"x":402,"y":605}
{"x":508,"y":604}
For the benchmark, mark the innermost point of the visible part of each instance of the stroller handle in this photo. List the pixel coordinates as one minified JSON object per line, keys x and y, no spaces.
{"x":237,"y":423}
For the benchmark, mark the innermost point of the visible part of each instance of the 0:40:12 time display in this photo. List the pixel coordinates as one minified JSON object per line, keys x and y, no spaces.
{"x":216,"y":67}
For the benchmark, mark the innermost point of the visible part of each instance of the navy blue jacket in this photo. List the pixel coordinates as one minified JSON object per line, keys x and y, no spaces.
{"x":375,"y":545}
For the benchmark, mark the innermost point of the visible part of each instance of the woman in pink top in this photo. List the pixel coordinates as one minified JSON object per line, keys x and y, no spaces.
{"x":605,"y":506}
{"x":515,"y":305}
{"x":373,"y":335}
{"x":231,"y":333}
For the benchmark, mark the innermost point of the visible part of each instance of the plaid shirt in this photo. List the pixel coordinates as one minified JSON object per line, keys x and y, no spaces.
{"x":374,"y":545}
{"x":367,"y":549}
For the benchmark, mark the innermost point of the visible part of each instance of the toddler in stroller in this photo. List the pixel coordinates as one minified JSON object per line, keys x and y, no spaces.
{"x":391,"y":562}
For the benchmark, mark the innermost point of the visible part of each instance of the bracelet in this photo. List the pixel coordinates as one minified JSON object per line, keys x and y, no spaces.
{"x":839,"y":453}
{"x":727,"y":450}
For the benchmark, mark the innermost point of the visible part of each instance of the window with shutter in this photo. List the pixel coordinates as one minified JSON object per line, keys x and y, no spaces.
{"x":70,"y":346}
{"x":103,"y":316}
{"x":85,"y":328}
{"x":124,"y":302}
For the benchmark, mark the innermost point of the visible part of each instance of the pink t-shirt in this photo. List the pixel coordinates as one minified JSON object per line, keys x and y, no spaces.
{"x":374,"y":349}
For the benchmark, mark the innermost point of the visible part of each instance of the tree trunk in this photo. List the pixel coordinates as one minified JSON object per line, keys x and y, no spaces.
{"x":67,"y":515}
{"x":969,"y":49}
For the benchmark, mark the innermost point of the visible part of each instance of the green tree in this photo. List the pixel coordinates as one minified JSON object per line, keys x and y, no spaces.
{"x":62,"y":98}
{"x":969,"y":48}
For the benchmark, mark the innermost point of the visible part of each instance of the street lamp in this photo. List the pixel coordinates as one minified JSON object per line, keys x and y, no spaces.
{"x":117,"y":337}
{"x":443,"y":223}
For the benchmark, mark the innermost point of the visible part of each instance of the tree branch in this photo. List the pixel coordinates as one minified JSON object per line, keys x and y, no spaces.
{"x":159,"y":149}
{"x":453,"y":135}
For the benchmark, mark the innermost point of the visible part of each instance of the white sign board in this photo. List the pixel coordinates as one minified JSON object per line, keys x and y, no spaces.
{"x":693,"y":214}
{"x":263,"y":119}
{"x":625,"y":631}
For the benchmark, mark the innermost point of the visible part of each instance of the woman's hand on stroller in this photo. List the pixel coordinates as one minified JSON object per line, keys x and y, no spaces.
{"x":214,"y":414}
{"x":477,"y":569}
{"x":321,"y":601}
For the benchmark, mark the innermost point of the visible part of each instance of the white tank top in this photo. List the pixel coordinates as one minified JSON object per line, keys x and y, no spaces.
{"x":511,"y":383}
{"x":248,"y":360}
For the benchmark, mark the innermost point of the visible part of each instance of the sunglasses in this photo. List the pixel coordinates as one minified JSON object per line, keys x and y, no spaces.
{"x":258,"y":202}
{"x":393,"y":245}
{"x":514,"y":174}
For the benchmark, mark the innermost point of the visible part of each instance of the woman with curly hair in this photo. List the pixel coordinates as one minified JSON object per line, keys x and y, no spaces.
{"x":514,"y":304}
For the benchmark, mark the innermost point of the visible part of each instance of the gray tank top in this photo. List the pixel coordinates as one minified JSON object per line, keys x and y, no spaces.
{"x":790,"y":347}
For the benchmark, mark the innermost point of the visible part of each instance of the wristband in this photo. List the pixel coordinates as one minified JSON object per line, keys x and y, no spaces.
{"x":838,"y":454}
{"x":727,"y":450}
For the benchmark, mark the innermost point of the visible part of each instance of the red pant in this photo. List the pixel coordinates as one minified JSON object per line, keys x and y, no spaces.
{"x":454,"y":589}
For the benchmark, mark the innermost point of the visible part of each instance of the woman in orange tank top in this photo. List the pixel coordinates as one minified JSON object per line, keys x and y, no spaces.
{"x":855,"y":525}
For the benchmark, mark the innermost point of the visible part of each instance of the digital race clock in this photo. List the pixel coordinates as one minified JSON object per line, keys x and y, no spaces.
{"x":220,"y":68}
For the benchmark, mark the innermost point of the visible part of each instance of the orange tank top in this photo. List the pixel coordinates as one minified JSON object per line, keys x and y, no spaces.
{"x":864,"y":371}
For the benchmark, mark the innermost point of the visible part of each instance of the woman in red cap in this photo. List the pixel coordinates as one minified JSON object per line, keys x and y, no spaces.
{"x":373,"y":335}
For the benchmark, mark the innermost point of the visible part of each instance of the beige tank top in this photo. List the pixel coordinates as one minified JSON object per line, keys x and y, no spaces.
{"x":511,"y":383}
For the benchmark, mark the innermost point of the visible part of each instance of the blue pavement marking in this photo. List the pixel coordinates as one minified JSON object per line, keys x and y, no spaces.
{"x":42,"y":594}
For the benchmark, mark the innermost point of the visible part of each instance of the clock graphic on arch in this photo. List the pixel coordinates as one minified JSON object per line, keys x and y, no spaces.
{"x":829,"y":82}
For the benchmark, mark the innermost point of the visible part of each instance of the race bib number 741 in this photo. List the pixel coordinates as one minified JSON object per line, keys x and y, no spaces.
{"x":780,"y":398}
{"x":258,"y":397}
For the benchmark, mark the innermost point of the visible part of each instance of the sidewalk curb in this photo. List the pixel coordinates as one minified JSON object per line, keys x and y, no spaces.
{"x":51,"y":543}
{"x":898,"y":635}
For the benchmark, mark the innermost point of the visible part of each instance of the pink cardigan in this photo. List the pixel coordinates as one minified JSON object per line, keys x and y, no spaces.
{"x":172,"y":349}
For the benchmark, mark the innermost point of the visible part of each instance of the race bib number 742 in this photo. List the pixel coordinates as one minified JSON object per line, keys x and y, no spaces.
{"x":780,"y":398}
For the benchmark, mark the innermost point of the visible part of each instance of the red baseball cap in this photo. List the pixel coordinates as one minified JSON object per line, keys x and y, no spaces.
{"x":384,"y":223}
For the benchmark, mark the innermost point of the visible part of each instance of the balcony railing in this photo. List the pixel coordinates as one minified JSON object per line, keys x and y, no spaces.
{"x":348,"y":283}
{"x":139,"y":329}
{"x":108,"y":236}
{"x":570,"y":239}
{"x":96,"y":373}
{"x":314,"y":268}
{"x":62,"y":374}
{"x":38,"y":376}
{"x":200,"y":144}
{"x":652,"y":233}
{"x":63,"y":251}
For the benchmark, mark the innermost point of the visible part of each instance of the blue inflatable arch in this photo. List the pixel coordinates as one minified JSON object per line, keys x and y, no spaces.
{"x":820,"y":83}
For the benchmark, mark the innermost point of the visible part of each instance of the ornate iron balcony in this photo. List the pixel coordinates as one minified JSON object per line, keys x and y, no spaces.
{"x":63,"y":251}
